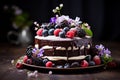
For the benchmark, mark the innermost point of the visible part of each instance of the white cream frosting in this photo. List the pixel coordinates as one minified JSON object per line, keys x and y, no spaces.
{"x":56,"y":58}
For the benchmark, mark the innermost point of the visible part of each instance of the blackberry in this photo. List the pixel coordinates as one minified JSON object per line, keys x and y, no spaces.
{"x":45,"y":60}
{"x":81,"y":33}
{"x":37,"y":61}
{"x":64,"y":24}
{"x":29,"y":51}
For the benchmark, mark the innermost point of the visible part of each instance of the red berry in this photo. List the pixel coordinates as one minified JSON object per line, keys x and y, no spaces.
{"x":49,"y":64}
{"x":97,"y":60}
{"x":84,"y":63}
{"x":19,"y":65}
{"x":56,"y":32}
{"x":70,"y":34}
{"x":111,"y":64}
{"x":25,"y":58}
{"x":74,"y":30}
{"x":39,"y":32}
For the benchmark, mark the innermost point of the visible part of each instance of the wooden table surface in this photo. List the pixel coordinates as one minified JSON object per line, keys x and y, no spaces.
{"x":9,"y":52}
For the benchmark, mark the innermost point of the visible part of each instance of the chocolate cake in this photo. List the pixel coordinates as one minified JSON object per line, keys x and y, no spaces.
{"x":65,"y":43}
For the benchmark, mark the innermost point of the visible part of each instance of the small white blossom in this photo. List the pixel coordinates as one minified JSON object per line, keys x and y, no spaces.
{"x":54,"y":10}
{"x":57,"y":8}
{"x":50,"y":72}
{"x":61,"y":5}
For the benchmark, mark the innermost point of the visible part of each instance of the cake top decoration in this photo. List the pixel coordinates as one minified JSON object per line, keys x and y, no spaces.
{"x":63,"y":26}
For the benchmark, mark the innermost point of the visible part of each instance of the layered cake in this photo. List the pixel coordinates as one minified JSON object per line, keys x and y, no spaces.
{"x":65,"y":43}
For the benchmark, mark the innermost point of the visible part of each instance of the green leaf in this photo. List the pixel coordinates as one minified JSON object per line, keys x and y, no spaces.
{"x":88,"y":31}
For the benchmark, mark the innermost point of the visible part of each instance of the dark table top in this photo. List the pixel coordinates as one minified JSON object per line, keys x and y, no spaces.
{"x":9,"y":52}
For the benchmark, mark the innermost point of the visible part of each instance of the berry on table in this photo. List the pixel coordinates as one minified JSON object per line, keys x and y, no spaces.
{"x":49,"y":64}
{"x":91,"y":63}
{"x":97,"y":60}
{"x":25,"y":58}
{"x":19,"y":65}
{"x":84,"y":63}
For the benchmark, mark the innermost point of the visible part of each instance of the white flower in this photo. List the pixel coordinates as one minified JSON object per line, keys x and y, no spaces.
{"x":61,"y":5}
{"x":54,"y":10}
{"x":57,"y":8}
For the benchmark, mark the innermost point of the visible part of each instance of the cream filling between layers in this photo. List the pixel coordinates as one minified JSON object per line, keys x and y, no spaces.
{"x":57,"y":58}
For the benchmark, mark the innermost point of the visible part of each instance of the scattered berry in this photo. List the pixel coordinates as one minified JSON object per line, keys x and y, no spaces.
{"x":111,"y":64}
{"x":29,"y":61}
{"x":75,"y":64}
{"x":97,"y":60}
{"x":51,"y":32}
{"x":39,"y":32}
{"x":62,"y":34}
{"x":67,"y":65}
{"x":29,"y":51}
{"x":84,"y":63}
{"x":49,"y":64}
{"x":81,"y":33}
{"x":57,"y":31}
{"x":45,"y":60}
{"x":45,"y":32}
{"x":25,"y":58}
{"x":91,"y":63}
{"x":19,"y":65}
{"x":59,"y":66}
{"x":37,"y":61}
{"x":70,"y":34}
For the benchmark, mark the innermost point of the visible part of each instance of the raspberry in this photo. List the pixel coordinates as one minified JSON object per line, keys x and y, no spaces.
{"x":84,"y":63}
{"x":39,"y":32}
{"x":49,"y":64}
{"x":70,"y":34}
{"x":97,"y":60}
{"x":19,"y":65}
{"x":25,"y":58}
{"x":56,"y":32}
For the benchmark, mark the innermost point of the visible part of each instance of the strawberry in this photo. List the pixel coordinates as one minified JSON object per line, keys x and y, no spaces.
{"x":97,"y":60}
{"x":39,"y":32}
{"x":84,"y":63}
{"x":56,"y":32}
{"x":19,"y":65}
{"x":70,"y":34}
{"x":49,"y":64}
{"x":25,"y":58}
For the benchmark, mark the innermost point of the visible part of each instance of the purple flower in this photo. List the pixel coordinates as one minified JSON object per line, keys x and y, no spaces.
{"x":39,"y":52}
{"x":53,"y":20}
{"x":99,"y":47}
{"x":107,"y":52}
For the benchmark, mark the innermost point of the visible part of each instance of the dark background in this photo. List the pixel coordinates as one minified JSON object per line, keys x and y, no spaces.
{"x":102,"y":15}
